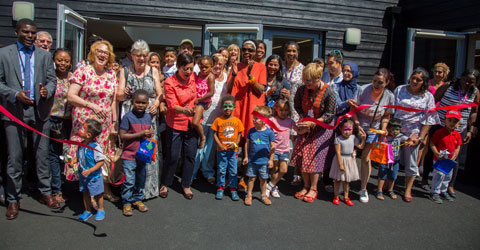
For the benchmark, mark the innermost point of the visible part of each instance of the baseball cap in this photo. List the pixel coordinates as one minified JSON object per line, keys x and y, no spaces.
{"x":453,"y":113}
{"x":186,"y":41}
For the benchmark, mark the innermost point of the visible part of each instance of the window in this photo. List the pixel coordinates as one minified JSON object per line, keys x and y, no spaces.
{"x":71,"y":32}
{"x":222,"y":35}
{"x":309,"y":43}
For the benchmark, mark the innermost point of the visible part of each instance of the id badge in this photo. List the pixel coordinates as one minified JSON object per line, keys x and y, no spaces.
{"x":310,"y":113}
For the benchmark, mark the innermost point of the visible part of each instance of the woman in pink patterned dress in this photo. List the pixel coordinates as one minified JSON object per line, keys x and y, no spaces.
{"x":92,"y":93}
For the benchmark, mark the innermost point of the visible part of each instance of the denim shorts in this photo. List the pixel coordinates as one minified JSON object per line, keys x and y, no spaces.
{"x":389,"y":171}
{"x":204,"y":104}
{"x":255,"y":170}
{"x":93,"y":186}
{"x":282,"y":157}
{"x":371,"y":137}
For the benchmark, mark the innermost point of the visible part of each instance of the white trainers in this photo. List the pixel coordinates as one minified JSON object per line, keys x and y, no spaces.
{"x":269,"y":189}
{"x":363,"y":196}
{"x":275,"y":193}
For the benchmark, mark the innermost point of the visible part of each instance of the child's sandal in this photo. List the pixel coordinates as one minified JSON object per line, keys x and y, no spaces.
{"x":248,"y":200}
{"x":392,"y":194}
{"x":379,"y":196}
{"x":266,"y":201}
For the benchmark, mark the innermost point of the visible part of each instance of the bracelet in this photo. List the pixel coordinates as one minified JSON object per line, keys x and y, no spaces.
{"x":252,"y":81}
{"x":117,"y":121}
{"x":86,"y":105}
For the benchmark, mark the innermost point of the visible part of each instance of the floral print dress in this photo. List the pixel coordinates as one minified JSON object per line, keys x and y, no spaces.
{"x":97,"y":90}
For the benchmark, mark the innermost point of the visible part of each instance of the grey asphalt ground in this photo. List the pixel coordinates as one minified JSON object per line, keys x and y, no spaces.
{"x":206,"y":223}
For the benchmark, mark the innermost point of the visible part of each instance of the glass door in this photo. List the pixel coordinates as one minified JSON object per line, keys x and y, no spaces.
{"x":71,"y":32}
{"x":309,"y":42}
{"x":222,"y":35}
{"x":427,"y":47}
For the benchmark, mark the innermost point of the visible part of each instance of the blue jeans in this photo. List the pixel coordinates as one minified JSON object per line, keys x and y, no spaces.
{"x":135,"y":176}
{"x":227,"y":161}
{"x":205,"y":156}
{"x":389,"y":171}
{"x":177,"y":141}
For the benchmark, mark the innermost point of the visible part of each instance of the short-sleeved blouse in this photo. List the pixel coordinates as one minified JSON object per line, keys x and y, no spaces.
{"x":413,"y":121}
{"x":365,"y":117}
{"x":59,"y":108}
{"x":295,"y":78}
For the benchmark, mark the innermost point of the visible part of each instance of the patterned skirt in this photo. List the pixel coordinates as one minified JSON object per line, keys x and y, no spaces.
{"x":313,"y":151}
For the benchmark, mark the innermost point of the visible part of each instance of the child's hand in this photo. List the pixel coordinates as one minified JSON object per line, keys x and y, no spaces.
{"x":270,"y":164}
{"x":148,"y":133}
{"x":270,"y":91}
{"x":85,"y":173}
{"x":341,"y":168}
{"x":163,"y":108}
{"x":196,"y":101}
{"x":223,"y":148}
{"x":362,"y":134}
{"x":245,"y":161}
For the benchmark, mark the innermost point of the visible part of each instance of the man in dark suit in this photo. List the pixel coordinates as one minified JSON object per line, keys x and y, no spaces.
{"x":27,"y":87}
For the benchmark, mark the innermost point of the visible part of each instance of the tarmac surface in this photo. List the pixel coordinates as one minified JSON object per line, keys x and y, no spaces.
{"x":206,"y":223}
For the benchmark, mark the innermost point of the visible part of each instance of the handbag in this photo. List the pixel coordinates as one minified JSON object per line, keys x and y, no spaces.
{"x":382,"y":153}
{"x":147,"y":150}
{"x":114,"y":172}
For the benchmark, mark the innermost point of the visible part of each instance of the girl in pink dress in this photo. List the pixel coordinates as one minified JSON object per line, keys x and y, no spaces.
{"x":205,"y":82}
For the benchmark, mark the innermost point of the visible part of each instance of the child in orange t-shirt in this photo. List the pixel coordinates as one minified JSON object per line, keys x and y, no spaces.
{"x":227,"y":130}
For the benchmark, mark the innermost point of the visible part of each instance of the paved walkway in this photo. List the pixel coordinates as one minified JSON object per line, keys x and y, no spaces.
{"x":205,"y":223}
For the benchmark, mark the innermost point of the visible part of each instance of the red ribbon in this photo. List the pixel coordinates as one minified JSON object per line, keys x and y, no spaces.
{"x":364,"y":106}
{"x":15,"y":119}
{"x":267,"y":121}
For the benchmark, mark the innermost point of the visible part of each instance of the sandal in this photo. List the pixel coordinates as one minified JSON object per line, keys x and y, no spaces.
{"x":336,"y":200}
{"x":348,"y":201}
{"x":299,"y":195}
{"x":379,"y":196}
{"x":266,"y":201}
{"x":248,"y":200}
{"x":392,"y":194}
{"x":164,"y":194}
{"x":110,"y":197}
{"x":311,"y":199}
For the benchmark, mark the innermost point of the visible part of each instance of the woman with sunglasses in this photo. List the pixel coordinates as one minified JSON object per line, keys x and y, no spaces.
{"x":142,"y":76}
{"x":375,"y":117}
{"x":180,"y":93}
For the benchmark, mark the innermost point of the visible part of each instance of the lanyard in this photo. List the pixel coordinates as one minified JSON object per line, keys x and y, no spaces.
{"x":464,"y":98}
{"x":291,"y":74}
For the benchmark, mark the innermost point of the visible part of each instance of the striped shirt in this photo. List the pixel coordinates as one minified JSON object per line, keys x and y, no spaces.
{"x":453,"y":97}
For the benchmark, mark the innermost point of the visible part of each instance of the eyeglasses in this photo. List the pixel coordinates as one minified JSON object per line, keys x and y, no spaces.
{"x":141,"y":55}
{"x":185,"y":69}
{"x":247,"y":49}
{"x":102,"y":52}
{"x":44,"y":41}
{"x":337,"y":52}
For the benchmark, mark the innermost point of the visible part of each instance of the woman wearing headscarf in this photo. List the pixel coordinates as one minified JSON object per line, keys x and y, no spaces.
{"x":347,"y":88}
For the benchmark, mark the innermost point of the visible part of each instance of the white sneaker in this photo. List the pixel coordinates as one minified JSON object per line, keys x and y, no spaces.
{"x":269,"y":189}
{"x":363,"y":196}
{"x":275,"y":192}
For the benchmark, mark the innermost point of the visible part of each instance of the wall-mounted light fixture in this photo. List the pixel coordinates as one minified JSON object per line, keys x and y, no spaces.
{"x":353,"y":36}
{"x":21,"y":9}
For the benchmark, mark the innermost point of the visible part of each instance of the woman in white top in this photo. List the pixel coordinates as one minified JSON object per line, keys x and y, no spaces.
{"x":205,"y":156}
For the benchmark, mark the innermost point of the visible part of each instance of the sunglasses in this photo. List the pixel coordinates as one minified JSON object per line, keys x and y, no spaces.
{"x":247,"y":49}
{"x":337,"y":52}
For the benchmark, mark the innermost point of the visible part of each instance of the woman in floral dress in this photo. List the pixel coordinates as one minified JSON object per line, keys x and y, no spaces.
{"x":92,"y":93}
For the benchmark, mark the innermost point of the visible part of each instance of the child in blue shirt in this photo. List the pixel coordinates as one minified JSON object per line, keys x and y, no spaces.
{"x":259,"y":153}
{"x":135,"y":126}
{"x":90,"y":163}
